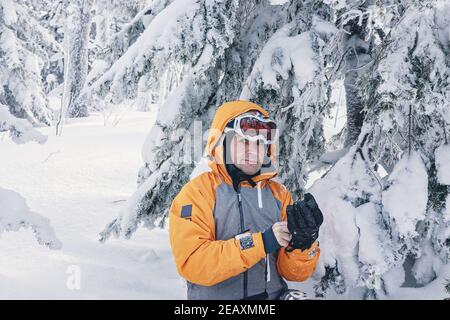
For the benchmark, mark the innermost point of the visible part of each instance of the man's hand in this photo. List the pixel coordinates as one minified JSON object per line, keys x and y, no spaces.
{"x":304,"y":220}
{"x":281,"y":232}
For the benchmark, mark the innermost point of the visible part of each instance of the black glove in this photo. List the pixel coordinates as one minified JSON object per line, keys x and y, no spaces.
{"x":304,"y":219}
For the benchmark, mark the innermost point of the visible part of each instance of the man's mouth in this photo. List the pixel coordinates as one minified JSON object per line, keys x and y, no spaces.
{"x":250,"y":161}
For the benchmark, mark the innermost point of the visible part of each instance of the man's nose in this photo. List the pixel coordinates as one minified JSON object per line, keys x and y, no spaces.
{"x":252,"y":147}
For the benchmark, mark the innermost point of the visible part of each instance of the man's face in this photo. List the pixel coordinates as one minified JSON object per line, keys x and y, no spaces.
{"x":247,"y":155}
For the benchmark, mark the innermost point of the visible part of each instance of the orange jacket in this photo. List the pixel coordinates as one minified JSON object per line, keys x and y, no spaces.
{"x":202,"y":258}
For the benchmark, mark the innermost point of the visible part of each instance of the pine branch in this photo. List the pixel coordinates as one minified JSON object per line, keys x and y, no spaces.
{"x":447,"y":286}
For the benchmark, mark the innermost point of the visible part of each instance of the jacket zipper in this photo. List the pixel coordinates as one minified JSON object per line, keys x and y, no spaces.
{"x":241,"y":214}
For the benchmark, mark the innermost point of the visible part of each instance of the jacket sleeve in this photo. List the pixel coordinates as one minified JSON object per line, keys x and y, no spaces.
{"x":296,"y":265}
{"x":200,"y":258}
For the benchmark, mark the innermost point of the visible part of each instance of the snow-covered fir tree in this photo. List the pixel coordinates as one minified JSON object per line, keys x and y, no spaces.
{"x":194,"y":35}
{"x":217,"y":57}
{"x":25,"y":63}
{"x":290,"y":79}
{"x":382,"y":181}
{"x":52,"y":16}
{"x":75,"y":59}
{"x":389,"y":201}
{"x":15,"y":213}
{"x":190,"y":56}
{"x":392,"y":57}
{"x":116,"y":25}
{"x":357,"y":43}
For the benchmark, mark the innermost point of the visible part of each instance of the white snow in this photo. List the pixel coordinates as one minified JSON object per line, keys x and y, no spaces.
{"x":63,"y":192}
{"x":278,"y":2}
{"x":406,"y":198}
{"x":20,"y":130}
{"x":160,"y":35}
{"x":442,"y":155}
{"x":447,"y":210}
{"x":201,"y":167}
{"x":332,"y":157}
{"x":323,"y":27}
{"x":15,"y":215}
{"x":280,"y":55}
{"x":9,"y":12}
{"x":370,"y":252}
{"x":427,"y":265}
{"x":353,"y":238}
{"x":339,"y":220}
{"x":79,"y":182}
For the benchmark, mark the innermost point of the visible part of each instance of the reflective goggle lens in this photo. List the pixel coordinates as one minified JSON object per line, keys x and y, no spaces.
{"x":254,"y":127}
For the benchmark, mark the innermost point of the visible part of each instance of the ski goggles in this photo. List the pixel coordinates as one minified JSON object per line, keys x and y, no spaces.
{"x":254,"y":127}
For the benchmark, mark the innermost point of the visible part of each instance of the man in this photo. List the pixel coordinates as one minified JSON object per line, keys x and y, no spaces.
{"x":228,"y":227}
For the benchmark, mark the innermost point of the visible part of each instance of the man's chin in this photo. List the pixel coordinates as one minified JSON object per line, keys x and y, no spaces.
{"x":250,"y":168}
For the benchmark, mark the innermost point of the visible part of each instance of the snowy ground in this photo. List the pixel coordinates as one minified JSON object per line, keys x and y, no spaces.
{"x":79,"y":182}
{"x":76,"y":180}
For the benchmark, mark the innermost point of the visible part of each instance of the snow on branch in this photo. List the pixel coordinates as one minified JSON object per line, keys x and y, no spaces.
{"x":16,"y":215}
{"x":20,"y":130}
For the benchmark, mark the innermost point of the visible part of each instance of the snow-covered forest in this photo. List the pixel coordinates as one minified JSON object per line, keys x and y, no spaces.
{"x":100,"y":99}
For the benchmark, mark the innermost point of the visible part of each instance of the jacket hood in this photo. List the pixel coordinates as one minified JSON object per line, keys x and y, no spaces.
{"x":214,"y":147}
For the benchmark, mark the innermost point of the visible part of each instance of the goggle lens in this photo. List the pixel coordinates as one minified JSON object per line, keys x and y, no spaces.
{"x":253,"y":127}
